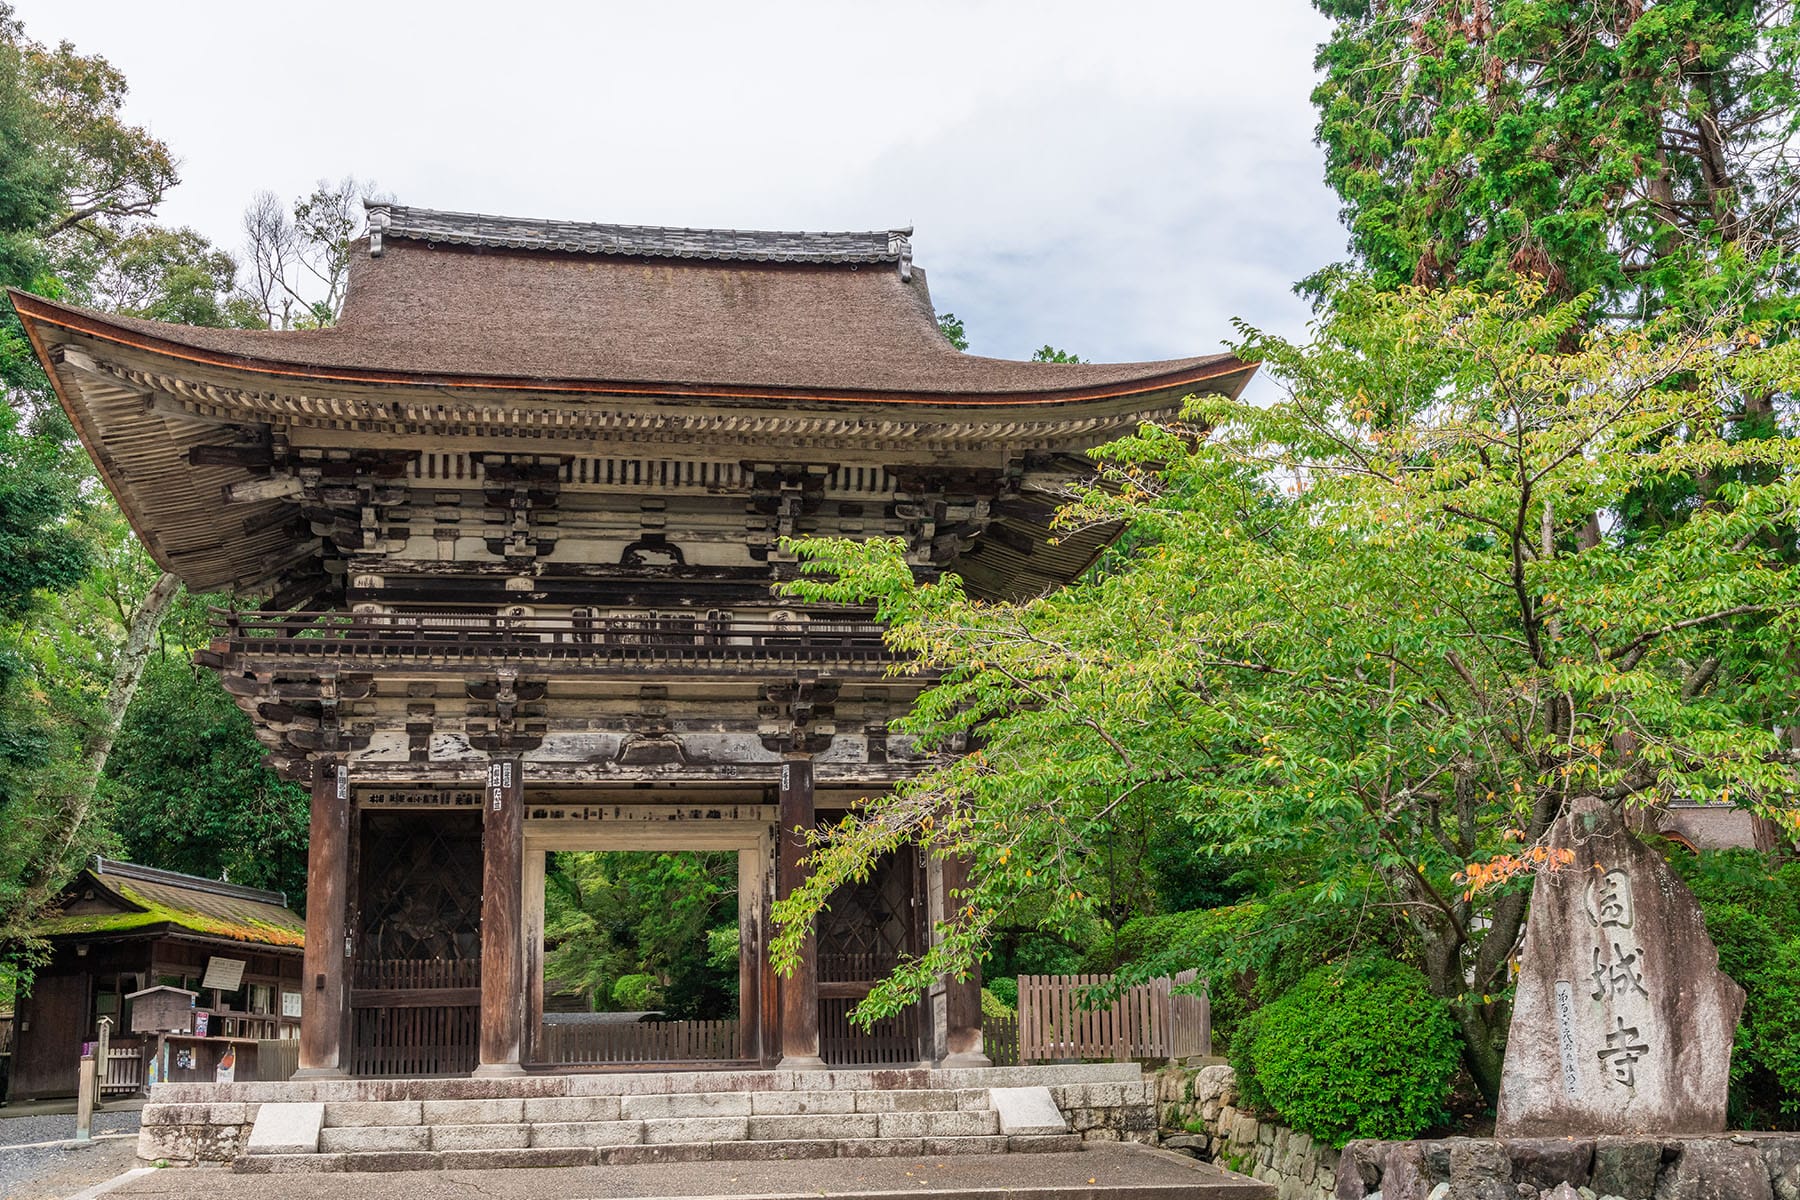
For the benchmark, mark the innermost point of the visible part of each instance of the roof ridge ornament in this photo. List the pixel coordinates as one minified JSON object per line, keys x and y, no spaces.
{"x":379,"y":219}
{"x":900,"y":246}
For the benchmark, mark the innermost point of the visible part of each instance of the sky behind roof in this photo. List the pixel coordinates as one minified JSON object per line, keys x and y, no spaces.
{"x":1119,"y":180}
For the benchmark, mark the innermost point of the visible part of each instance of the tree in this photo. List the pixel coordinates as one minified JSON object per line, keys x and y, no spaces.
{"x":1645,"y":151}
{"x":638,"y":930}
{"x":1366,"y":636}
{"x":297,"y":261}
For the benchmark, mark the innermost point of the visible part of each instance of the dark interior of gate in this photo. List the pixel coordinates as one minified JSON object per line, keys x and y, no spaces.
{"x":867,"y":929}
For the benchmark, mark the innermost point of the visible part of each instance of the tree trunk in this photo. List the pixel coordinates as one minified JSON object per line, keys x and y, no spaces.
{"x":140,"y":636}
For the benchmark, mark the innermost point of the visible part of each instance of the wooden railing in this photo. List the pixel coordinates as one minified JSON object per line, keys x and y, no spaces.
{"x":586,"y":641}
{"x":891,"y":1041}
{"x":565,"y":1043}
{"x":124,"y":1073}
{"x":1057,"y":1019}
{"x":1000,"y":1040}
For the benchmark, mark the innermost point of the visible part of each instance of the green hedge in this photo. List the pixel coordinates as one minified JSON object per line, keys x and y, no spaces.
{"x":1353,"y":1050}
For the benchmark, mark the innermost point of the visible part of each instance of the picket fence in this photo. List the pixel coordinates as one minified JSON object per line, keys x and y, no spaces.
{"x":1067,"y":1017}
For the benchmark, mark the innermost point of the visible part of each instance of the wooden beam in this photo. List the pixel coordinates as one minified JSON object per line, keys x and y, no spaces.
{"x":327,"y":943}
{"x":502,"y":921}
{"x":800,"y":990}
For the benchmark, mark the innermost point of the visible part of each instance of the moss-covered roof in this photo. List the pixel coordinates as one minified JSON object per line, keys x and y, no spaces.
{"x":145,"y":898}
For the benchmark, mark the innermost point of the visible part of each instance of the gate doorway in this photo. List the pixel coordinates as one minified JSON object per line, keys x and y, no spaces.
{"x":865,"y":932}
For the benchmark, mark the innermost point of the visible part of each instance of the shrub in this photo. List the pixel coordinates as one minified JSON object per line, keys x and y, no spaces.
{"x":1006,"y":990}
{"x":1354,"y":1050}
{"x":637,"y":993}
{"x":1769,"y":1027}
{"x":993,"y":1006}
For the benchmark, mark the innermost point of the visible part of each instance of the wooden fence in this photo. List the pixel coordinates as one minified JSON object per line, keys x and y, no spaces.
{"x":1059,"y":1019}
{"x":571,"y":1042}
{"x":1000,"y":1040}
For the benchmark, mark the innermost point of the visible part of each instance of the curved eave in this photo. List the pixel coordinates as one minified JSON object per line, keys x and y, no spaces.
{"x":1225,"y":373}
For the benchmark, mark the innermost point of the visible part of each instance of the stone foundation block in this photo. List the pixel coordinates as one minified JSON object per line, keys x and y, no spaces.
{"x":360,"y":1138}
{"x":696,"y":1129}
{"x":472,"y":1112}
{"x":572,"y":1108}
{"x":994,"y":1144}
{"x":372,"y":1112}
{"x":631,"y":1156}
{"x":815,"y":1127}
{"x":587,"y":1133}
{"x":1626,"y":1167}
{"x":684,"y":1105}
{"x":881,"y":1147}
{"x":912,"y":1100}
{"x":1042,"y":1143}
{"x":1545,"y":1162}
{"x":939,"y":1124}
{"x":1715,"y":1169}
{"x":775,"y":1151}
{"x":480,"y":1137}
{"x":793,"y":1104}
{"x":393,"y":1160}
{"x":287,"y":1164}
{"x":512,"y":1159}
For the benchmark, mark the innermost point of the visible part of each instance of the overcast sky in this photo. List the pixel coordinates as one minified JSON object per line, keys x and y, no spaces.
{"x":1116,"y":179}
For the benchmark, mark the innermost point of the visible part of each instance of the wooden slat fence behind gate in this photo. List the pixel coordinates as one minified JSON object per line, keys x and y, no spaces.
{"x":1146,"y":1021}
{"x":566,"y":1043}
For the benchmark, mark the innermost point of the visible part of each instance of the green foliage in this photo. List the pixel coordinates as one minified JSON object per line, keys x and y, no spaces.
{"x":1643,"y":151}
{"x":1748,"y":879}
{"x":993,"y":1005}
{"x":1368,"y":637}
{"x":1050,"y":354}
{"x":186,"y":789}
{"x":1771,"y":1038}
{"x":1004,"y":989}
{"x":637,"y":931}
{"x":1357,"y":1050}
{"x":951,"y":326}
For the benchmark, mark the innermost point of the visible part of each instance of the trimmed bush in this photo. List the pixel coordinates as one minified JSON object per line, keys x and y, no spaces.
{"x":1005,"y":990}
{"x":993,"y":1006}
{"x":1354,"y":1050}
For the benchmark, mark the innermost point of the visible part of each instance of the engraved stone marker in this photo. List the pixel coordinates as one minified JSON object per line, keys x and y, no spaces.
{"x":1623,"y":1021}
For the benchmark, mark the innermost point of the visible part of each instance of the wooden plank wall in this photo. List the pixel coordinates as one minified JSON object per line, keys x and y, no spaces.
{"x":1066,"y":1017}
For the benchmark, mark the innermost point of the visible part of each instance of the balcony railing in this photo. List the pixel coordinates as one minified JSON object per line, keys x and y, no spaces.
{"x":579,"y":641}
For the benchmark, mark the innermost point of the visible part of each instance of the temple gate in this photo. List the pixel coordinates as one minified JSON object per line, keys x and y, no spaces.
{"x":514,"y":524}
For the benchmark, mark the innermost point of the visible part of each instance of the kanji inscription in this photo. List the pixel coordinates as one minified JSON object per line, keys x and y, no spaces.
{"x":1622,"y":1022}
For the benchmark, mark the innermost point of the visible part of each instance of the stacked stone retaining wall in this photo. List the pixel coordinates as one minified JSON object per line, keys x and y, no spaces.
{"x":1198,"y":1111}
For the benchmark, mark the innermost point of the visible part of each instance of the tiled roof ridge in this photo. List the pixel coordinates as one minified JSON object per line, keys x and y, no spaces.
{"x":193,"y":883}
{"x":638,"y":241}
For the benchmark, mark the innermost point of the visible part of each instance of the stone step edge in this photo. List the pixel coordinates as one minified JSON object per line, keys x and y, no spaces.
{"x":604,"y":1083}
{"x":676,"y":1152}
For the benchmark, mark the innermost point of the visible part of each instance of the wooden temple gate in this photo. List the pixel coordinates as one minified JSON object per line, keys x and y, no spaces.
{"x":519,"y":523}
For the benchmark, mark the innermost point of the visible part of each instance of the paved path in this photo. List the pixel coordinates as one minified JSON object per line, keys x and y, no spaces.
{"x":31,"y":1171}
{"x":1104,"y":1172}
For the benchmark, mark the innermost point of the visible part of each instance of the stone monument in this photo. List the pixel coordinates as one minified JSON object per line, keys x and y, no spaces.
{"x":1623,"y":1022}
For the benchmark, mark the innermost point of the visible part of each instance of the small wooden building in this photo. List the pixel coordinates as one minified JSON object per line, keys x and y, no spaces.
{"x":121,"y":928}
{"x":517,"y":520}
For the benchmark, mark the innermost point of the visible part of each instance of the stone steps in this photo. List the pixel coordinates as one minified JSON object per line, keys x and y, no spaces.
{"x":627,"y":1119}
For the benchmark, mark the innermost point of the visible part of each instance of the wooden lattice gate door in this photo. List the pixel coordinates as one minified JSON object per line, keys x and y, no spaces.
{"x":415,"y":998}
{"x":862,"y":936}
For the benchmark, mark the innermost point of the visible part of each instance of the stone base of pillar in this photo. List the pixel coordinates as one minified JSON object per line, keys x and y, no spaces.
{"x":795,"y":1062}
{"x":967,"y":1059}
{"x":305,"y":1073}
{"x":497,"y":1071}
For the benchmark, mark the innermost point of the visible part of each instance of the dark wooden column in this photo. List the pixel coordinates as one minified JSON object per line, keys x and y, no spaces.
{"x":799,"y":991}
{"x":962,"y":999}
{"x":323,"y":989}
{"x":502,"y":920}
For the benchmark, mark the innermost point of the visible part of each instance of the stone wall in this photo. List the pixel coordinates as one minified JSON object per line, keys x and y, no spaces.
{"x":1199,"y":1115}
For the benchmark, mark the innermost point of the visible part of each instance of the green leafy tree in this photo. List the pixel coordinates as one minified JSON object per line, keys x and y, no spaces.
{"x":1367,"y":633}
{"x":639,"y":930}
{"x":1644,"y":151}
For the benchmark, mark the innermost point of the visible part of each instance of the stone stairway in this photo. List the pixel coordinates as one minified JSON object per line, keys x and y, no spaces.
{"x":651,"y":1117}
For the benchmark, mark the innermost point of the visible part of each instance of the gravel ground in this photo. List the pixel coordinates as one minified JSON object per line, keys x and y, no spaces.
{"x":42,"y":1174}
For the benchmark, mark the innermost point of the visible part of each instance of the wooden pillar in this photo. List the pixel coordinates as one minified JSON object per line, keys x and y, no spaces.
{"x":752,"y":864}
{"x":502,"y":921}
{"x":963,"y":1045}
{"x":323,"y":990}
{"x":532,"y":947}
{"x":799,"y":991}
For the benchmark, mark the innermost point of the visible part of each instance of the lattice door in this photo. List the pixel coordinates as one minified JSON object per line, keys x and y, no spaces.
{"x":866,"y":930}
{"x":416,"y":977}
